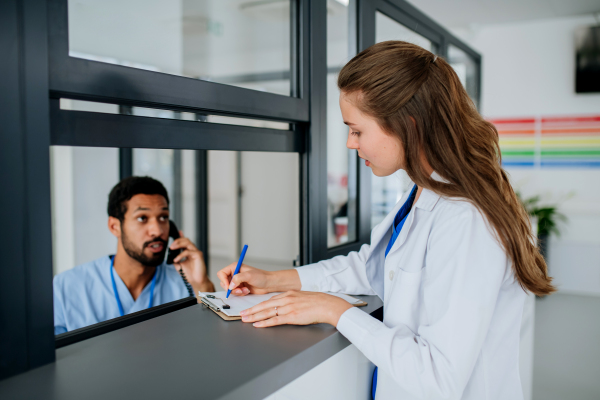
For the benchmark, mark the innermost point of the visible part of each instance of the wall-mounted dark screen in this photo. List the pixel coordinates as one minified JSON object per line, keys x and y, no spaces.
{"x":587,"y":64}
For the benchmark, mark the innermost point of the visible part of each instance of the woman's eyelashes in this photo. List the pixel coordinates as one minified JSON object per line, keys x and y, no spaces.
{"x":354,"y":133}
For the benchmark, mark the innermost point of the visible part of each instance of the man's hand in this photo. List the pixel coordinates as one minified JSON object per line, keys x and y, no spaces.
{"x":191,"y":260}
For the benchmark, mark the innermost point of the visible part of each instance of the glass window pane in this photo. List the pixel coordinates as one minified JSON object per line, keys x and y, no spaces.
{"x":253,"y":199}
{"x":389,"y":29}
{"x":165,"y":165}
{"x":341,"y":162}
{"x":156,"y":163}
{"x":466,"y":69}
{"x":237,"y":42}
{"x":106,"y":108}
{"x":386,"y":191}
{"x":81,"y":180}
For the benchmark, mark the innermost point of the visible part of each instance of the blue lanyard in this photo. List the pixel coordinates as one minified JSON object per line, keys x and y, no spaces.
{"x":114,"y":285}
{"x":400,"y":219}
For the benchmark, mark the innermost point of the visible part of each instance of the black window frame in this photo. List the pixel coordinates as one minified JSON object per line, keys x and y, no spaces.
{"x":412,"y":18}
{"x":82,"y":79}
{"x":38,"y":72}
{"x":126,"y":131}
{"x":362,"y":16}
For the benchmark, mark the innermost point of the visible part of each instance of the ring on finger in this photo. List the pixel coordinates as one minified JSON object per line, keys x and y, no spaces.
{"x":276,"y":314}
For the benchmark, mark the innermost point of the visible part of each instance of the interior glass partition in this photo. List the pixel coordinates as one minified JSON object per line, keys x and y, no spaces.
{"x":341,"y":162}
{"x":166,"y":92}
{"x":387,"y":28}
{"x":253,"y":199}
{"x":467,"y":70}
{"x":386,"y":191}
{"x":162,"y":165}
{"x":81,"y":178}
{"x":236,"y":42}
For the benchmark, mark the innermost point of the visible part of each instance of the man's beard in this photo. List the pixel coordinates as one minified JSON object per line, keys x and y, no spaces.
{"x":153,"y":261}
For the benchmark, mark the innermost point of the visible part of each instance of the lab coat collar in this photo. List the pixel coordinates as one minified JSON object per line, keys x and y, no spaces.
{"x":375,"y":271}
{"x":381,"y":229}
{"x":427,"y":202}
{"x":428,"y":198}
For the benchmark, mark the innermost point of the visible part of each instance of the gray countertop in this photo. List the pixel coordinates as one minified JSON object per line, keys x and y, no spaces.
{"x":190,"y":353}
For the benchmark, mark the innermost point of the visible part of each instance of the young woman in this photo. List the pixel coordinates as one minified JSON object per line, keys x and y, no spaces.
{"x":452,"y":262}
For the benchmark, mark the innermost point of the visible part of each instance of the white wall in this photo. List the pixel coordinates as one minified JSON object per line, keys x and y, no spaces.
{"x":222,"y":205}
{"x":271,"y":207}
{"x":63,"y":224}
{"x":188,"y":194}
{"x":529,"y":70}
{"x":95,"y":172}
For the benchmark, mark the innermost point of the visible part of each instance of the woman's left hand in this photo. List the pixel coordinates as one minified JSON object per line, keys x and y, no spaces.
{"x":297,"y":308}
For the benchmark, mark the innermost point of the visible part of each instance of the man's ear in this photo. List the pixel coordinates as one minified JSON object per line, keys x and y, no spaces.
{"x":114,"y":226}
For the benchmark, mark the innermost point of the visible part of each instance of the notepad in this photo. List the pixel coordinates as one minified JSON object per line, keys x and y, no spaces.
{"x":215,"y":301}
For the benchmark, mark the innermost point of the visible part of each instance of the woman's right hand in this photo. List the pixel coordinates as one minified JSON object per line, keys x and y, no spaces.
{"x":257,"y":281}
{"x":248,"y":280}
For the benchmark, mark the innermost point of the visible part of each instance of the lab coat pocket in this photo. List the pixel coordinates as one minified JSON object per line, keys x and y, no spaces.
{"x":402,"y":305}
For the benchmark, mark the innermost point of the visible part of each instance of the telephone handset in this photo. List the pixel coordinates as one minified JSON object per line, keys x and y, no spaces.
{"x":172,"y":254}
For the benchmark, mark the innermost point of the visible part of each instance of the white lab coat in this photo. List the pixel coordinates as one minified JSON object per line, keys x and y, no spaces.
{"x":452,"y":306}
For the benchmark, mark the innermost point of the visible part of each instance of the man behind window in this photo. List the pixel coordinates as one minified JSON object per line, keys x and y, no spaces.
{"x":136,"y":278}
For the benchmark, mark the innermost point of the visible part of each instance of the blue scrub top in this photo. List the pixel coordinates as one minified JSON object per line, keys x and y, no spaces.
{"x":84,"y":295}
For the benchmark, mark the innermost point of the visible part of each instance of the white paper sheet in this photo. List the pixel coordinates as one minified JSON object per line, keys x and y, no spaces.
{"x":240,"y":303}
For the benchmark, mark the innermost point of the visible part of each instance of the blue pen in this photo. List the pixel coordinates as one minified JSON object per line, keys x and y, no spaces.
{"x":237,"y":269}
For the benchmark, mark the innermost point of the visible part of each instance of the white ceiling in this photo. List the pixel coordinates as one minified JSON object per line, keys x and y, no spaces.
{"x":465,"y":13}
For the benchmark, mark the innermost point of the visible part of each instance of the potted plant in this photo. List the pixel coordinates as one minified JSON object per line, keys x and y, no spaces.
{"x":547,"y":220}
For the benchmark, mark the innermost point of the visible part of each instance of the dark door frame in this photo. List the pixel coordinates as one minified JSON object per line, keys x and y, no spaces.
{"x":37,"y":71}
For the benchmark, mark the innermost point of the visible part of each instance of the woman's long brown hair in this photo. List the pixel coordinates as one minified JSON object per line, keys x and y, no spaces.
{"x":396,"y":81}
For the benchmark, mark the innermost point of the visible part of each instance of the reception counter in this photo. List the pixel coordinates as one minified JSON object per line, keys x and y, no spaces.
{"x":193,"y":354}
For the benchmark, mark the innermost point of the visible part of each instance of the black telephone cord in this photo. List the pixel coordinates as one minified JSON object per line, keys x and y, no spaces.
{"x":186,"y":283}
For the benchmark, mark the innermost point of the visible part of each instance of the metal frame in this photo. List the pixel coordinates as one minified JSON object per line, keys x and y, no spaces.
{"x":97,"y":81}
{"x":407,"y":15}
{"x":415,"y":20}
{"x":26,"y":315}
{"x":125,"y":162}
{"x":202,"y":219}
{"x":82,"y":128}
{"x":361,"y":16}
{"x":38,"y":71}
{"x":90,"y":331}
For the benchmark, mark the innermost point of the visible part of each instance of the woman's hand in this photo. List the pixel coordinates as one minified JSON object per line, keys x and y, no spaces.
{"x":191,"y":260}
{"x":248,"y":280}
{"x":257,"y":281}
{"x":297,"y":308}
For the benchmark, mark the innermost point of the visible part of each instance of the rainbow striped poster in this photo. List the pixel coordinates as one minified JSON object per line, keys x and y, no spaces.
{"x":550,"y":141}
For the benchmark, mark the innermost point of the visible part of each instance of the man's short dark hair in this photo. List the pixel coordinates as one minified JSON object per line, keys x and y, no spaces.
{"x":129,"y":187}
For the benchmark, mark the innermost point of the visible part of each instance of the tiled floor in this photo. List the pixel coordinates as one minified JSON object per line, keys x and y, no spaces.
{"x":567,"y":348}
